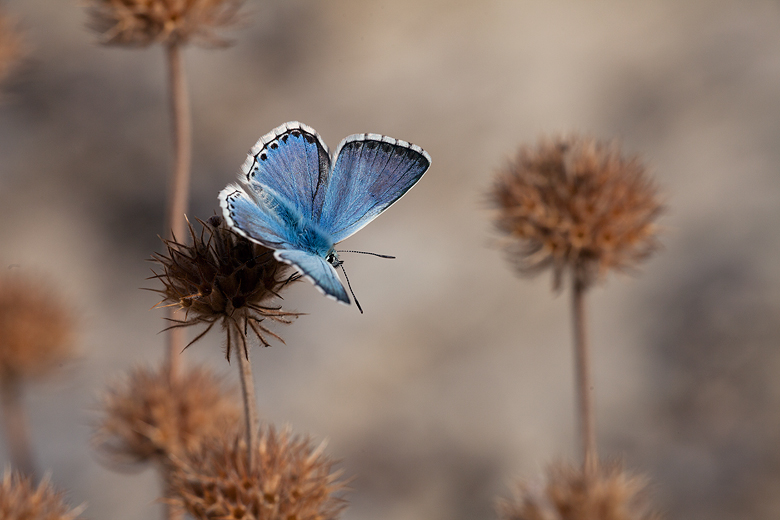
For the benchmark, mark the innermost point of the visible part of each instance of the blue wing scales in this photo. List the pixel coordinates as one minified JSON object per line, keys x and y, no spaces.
{"x":319,"y":272}
{"x":256,"y":217}
{"x":263,"y":216}
{"x":293,"y":161}
{"x":370,"y":172}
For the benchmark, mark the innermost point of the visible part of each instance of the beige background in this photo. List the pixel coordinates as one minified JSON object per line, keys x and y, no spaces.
{"x":457,"y":380}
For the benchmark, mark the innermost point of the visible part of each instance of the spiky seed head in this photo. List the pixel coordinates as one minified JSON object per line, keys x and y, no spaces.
{"x":36,"y":327}
{"x":142,"y":22}
{"x":148,"y":416}
{"x":569,"y":493}
{"x":224,"y":278}
{"x":20,"y":499}
{"x":292,"y":480}
{"x":577,"y":205}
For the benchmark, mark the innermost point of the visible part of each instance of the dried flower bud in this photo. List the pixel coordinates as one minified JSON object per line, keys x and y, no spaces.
{"x":36,"y":329}
{"x":291,"y":480}
{"x":575,"y":204}
{"x":142,"y":22}
{"x":223,"y":277}
{"x":147,"y":416}
{"x":11,"y":46}
{"x":606,"y":493}
{"x":21,"y":500}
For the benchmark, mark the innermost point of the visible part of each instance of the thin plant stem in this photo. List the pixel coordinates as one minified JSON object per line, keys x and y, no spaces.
{"x":250,"y":403}
{"x":178,"y":194}
{"x":16,"y":430}
{"x":584,"y":388}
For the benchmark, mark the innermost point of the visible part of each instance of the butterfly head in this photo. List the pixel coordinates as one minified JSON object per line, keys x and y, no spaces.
{"x":333,"y":258}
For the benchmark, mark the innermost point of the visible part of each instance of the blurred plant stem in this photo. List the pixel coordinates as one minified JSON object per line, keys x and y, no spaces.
{"x":15,"y":422}
{"x":584,"y":383}
{"x":250,"y":403}
{"x":178,"y":194}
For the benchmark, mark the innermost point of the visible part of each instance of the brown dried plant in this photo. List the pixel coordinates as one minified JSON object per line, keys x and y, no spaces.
{"x":224,"y":278}
{"x":608,"y":493}
{"x":147,"y":416}
{"x":292,"y":480}
{"x":36,"y":328}
{"x":11,"y":46}
{"x":21,"y":500}
{"x":143,"y":22}
{"x":575,"y":203}
{"x":36,"y":337}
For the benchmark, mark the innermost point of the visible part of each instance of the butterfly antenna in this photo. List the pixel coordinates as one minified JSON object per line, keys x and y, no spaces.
{"x":367,"y":253}
{"x":341,"y":264}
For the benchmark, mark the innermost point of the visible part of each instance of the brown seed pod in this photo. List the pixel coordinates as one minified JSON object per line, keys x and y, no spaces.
{"x":606,"y":493}
{"x":147,"y":416}
{"x":20,"y":499}
{"x":224,"y":278}
{"x":142,"y":22}
{"x":36,"y":328}
{"x":575,"y":204}
{"x":292,"y":480}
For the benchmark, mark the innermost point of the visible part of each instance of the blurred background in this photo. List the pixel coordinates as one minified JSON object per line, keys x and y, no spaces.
{"x":458,"y":379}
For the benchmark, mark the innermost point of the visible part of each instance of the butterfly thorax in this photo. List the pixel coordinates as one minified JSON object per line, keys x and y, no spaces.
{"x":300,"y":232}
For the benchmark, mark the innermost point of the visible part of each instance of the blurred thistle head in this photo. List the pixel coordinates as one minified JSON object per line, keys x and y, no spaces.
{"x":36,"y":328}
{"x":577,"y":206}
{"x":11,"y":46}
{"x":147,"y":416}
{"x":143,"y":22}
{"x":604,"y":493}
{"x":292,"y":480}
{"x":224,"y":278}
{"x":20,"y":499}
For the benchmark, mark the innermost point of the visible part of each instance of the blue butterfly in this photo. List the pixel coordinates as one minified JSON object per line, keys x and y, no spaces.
{"x":296,"y":199}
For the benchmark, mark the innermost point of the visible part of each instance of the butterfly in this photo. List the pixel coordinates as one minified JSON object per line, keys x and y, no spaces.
{"x":299,"y":200}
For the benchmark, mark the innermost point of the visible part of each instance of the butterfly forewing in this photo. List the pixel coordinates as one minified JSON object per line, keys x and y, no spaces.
{"x":293,"y":161}
{"x":370,"y":172}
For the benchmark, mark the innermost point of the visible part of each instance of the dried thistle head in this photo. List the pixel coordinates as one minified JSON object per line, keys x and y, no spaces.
{"x":148,"y":416}
{"x":11,"y":46}
{"x":576,"y":204}
{"x":224,"y":278}
{"x":292,"y":480}
{"x":36,"y":328}
{"x":20,"y":499}
{"x":142,"y":22}
{"x":604,"y":493}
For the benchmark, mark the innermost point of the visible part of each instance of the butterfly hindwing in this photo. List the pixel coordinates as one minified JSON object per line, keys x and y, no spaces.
{"x":293,"y":161}
{"x":318,"y":270}
{"x":370,"y":172}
